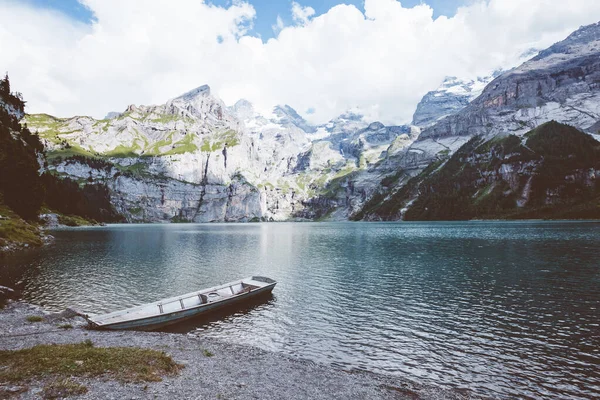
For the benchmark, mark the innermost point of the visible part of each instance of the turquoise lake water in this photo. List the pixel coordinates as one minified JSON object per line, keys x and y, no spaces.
{"x":504,"y":309}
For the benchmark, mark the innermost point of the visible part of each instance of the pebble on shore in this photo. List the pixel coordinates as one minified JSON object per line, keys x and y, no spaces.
{"x":230,"y":372}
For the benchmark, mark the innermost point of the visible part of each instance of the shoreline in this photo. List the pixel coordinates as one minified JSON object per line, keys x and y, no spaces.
{"x":231,"y":372}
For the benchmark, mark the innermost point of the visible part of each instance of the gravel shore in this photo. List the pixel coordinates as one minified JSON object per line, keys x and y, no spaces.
{"x":212,"y":369}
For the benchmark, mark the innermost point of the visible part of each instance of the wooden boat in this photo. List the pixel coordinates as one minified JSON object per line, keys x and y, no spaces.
{"x":175,"y":309}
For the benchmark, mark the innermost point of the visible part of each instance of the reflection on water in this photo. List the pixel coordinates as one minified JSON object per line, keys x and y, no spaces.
{"x":507,"y":309}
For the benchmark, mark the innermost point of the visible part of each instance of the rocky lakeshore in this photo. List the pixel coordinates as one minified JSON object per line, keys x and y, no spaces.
{"x":210,"y":368}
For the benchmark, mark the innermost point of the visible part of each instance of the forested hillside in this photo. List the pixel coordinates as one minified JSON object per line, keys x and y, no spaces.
{"x":550,"y":172}
{"x":26,"y":186}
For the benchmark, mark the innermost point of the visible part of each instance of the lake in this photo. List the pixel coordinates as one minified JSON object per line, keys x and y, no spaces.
{"x":504,"y":309}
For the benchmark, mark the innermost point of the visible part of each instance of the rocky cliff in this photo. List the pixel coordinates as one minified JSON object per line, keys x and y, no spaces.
{"x":195,"y":159}
{"x":561,"y":83}
{"x":453,"y":95}
{"x":551,"y":172}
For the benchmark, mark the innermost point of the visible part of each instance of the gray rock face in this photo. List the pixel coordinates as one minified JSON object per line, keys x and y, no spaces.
{"x":194,"y":159}
{"x":562,"y":83}
{"x":18,"y":114}
{"x":112,"y":114}
{"x":288,"y":116}
{"x":452,"y":96}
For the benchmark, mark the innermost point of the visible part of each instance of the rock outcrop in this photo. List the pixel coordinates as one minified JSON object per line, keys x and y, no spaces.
{"x":452,"y":96}
{"x":195,"y":159}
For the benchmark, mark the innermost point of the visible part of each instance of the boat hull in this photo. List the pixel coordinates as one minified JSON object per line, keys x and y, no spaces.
{"x":162,"y":320}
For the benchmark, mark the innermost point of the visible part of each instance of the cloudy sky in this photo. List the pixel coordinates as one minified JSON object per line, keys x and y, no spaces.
{"x":322,"y":57}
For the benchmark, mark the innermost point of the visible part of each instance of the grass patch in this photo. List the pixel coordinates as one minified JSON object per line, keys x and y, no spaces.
{"x":20,"y":232}
{"x":186,"y":145}
{"x":63,"y":388}
{"x":139,"y":169}
{"x":34,"y":318}
{"x":126,"y":364}
{"x":123,"y":151}
{"x":14,"y":229}
{"x":219,"y":141}
{"x":66,"y":326}
{"x":155,"y":149}
{"x":207,"y":353}
{"x":165,"y":118}
{"x":75,"y":220}
{"x":67,"y":152}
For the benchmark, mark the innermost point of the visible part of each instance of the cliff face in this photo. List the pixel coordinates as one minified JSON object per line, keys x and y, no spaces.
{"x":561,"y":83}
{"x":452,"y":96}
{"x":194,"y":159}
{"x":551,"y":172}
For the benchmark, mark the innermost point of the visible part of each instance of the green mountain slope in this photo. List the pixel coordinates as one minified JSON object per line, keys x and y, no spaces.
{"x":550,"y":172}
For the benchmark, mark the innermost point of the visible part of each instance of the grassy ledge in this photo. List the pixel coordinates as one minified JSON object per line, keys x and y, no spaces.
{"x":125,"y":364}
{"x":14,"y":229}
{"x":75,"y":220}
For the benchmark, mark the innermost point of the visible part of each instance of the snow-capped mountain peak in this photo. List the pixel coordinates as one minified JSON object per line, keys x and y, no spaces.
{"x":450,"y":97}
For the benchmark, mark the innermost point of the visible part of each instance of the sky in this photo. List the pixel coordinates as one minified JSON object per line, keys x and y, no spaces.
{"x":322,"y":57}
{"x":267,"y":11}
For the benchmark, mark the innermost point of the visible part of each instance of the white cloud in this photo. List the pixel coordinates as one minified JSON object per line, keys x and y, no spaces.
{"x":381,"y":60}
{"x":279,"y":25}
{"x":300,"y":14}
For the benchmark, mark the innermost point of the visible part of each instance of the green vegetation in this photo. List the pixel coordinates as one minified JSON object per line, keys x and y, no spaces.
{"x":207,"y":353}
{"x":13,"y":229}
{"x":179,"y":219}
{"x":135,"y":170}
{"x":165,"y":118}
{"x":155,"y":149}
{"x":34,"y":318}
{"x":186,"y":145}
{"x":20,"y":185}
{"x":219,"y":140}
{"x":302,"y":181}
{"x":126,"y":364}
{"x":343,"y":172}
{"x":66,"y":326}
{"x":62,"y":388}
{"x":75,"y":220}
{"x":68,"y":151}
{"x":387,"y":204}
{"x":79,"y":204}
{"x":48,"y":127}
{"x":547,"y":176}
{"x":122,"y":151}
{"x":136,"y":210}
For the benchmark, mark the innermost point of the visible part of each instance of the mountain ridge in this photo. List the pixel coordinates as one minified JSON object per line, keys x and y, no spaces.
{"x":195,"y":159}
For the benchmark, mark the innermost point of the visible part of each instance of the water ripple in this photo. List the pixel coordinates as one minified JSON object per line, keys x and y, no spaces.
{"x":503,"y":309}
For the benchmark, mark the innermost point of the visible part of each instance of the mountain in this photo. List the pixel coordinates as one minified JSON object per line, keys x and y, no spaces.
{"x":452,"y":96}
{"x":26,"y":186}
{"x":560,"y":85}
{"x":195,"y":159}
{"x":551,"y":172}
